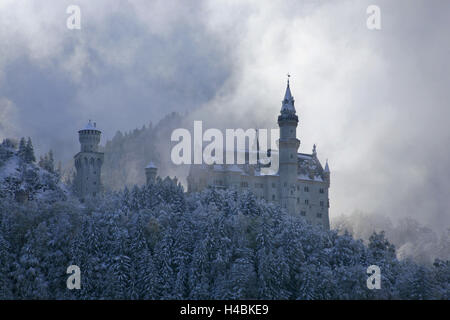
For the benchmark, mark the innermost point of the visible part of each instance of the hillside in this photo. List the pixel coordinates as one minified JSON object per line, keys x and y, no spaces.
{"x":156,"y":242}
{"x":127,"y":154}
{"x":22,"y":179}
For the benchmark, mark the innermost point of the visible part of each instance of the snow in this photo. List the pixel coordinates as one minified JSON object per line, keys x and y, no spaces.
{"x":10,"y":168}
{"x":218,"y":167}
{"x":90,"y":126}
{"x":151,"y":165}
{"x":16,"y":174}
{"x":303,"y":177}
{"x":234,"y":168}
{"x":173,"y":245}
{"x":304,"y":156}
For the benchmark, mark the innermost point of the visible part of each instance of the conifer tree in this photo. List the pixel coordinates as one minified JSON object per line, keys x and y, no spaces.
{"x":22,"y":148}
{"x":29,"y":152}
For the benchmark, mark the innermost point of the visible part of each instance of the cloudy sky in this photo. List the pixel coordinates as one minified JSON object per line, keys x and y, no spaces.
{"x":376,"y":102}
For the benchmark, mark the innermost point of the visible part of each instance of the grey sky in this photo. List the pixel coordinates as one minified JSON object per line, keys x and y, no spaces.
{"x":375,"y":102}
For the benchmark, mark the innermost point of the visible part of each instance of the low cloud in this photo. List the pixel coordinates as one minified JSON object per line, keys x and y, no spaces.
{"x":375,"y":102}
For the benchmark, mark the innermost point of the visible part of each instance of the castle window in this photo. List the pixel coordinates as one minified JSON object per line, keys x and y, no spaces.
{"x":306,"y":201}
{"x":292,"y":156}
{"x":292,"y":192}
{"x":321,"y":190}
{"x":298,"y":200}
{"x":285,"y":184}
{"x":298,"y":188}
{"x":319,"y":215}
{"x":303,"y":213}
{"x":273,"y":197}
{"x":306,"y":189}
{"x":244,"y":184}
{"x":321,"y":203}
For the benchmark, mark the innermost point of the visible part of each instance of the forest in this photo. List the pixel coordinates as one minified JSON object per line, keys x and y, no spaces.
{"x":157,"y":242}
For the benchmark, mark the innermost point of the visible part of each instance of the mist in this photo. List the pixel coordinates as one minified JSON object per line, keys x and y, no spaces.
{"x":374,"y":102}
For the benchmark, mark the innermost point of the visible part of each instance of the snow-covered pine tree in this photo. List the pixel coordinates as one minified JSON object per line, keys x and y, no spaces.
{"x":29,"y":152}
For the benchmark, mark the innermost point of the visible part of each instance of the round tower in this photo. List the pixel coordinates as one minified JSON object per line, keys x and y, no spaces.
{"x":288,"y":145}
{"x":88,"y":162}
{"x":150,"y":173}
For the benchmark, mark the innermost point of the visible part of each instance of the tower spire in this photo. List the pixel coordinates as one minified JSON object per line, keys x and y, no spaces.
{"x":287,"y":106}
{"x":327,"y":168}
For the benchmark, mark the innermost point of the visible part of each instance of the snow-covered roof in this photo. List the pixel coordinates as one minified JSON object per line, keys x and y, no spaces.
{"x":304,"y":156}
{"x":90,"y":126}
{"x":218,"y":167}
{"x":302,"y":176}
{"x":234,"y":168}
{"x":151,"y":165}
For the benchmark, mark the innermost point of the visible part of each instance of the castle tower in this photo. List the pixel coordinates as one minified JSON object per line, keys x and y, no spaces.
{"x":288,"y":145}
{"x":150,"y":173}
{"x":88,"y":162}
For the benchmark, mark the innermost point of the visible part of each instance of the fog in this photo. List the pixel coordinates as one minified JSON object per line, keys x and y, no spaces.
{"x":374,"y":101}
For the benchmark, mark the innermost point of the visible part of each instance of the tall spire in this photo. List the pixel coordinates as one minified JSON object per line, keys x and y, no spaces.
{"x":327,"y":168}
{"x":288,"y":95}
{"x":288,"y":101}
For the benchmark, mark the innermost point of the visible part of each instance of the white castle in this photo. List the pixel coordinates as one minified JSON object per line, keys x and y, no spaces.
{"x":88,"y":162}
{"x":300,"y":186}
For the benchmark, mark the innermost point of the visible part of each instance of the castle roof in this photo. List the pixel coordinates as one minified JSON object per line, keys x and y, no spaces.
{"x":327,"y":168}
{"x":151,"y":165}
{"x":90,"y":126}
{"x":287,"y":112}
{"x":234,"y":168}
{"x":287,"y":105}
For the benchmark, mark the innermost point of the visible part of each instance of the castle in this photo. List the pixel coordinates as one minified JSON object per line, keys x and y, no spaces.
{"x":300,"y":186}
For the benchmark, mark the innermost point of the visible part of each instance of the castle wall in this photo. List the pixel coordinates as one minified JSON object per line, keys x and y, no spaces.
{"x":87,"y":180}
{"x":310,"y":196}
